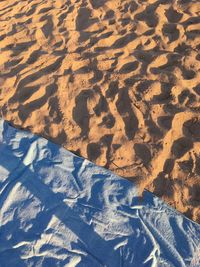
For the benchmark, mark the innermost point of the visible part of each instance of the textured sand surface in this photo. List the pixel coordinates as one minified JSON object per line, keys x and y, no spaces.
{"x":57,"y":209}
{"x":117,"y":82}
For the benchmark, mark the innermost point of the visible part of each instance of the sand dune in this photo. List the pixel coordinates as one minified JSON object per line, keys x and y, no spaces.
{"x":117,"y":82}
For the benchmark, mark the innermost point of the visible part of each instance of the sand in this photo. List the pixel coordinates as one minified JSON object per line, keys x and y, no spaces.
{"x":116,"y":82}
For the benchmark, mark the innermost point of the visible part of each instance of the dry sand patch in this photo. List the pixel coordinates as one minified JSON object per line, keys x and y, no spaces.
{"x":117,"y":82}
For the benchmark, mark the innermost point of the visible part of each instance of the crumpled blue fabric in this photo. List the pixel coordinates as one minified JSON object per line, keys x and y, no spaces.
{"x":57,"y":209}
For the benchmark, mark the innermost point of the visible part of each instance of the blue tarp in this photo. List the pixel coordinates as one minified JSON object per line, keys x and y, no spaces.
{"x":57,"y":209}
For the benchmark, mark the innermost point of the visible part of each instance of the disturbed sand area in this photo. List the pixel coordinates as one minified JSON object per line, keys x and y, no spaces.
{"x":117,"y":82}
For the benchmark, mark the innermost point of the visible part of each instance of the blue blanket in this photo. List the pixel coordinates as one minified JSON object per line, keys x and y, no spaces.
{"x":57,"y":209}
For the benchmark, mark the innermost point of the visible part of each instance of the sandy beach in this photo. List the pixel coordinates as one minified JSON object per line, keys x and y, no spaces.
{"x":116,"y":82}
